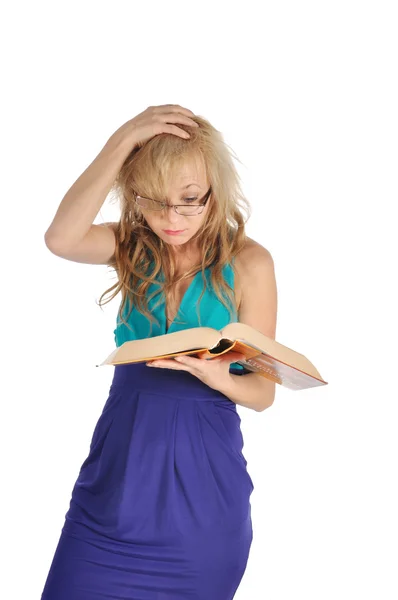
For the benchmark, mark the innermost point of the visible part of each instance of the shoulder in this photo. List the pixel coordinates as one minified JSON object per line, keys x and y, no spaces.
{"x":253,"y":261}
{"x":252,"y":256}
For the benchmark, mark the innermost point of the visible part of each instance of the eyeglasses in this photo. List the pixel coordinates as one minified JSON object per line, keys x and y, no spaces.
{"x":195,"y":207}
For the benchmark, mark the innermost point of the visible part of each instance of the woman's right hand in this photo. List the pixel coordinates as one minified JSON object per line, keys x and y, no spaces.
{"x":153,"y":121}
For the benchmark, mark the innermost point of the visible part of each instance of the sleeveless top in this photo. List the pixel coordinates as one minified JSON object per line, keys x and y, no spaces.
{"x":212,"y":312}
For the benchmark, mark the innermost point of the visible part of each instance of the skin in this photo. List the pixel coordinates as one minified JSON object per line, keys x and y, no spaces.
{"x":255,"y":292}
{"x":193,"y":171}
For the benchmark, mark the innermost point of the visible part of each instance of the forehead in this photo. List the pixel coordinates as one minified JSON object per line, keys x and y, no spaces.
{"x":188,"y":169}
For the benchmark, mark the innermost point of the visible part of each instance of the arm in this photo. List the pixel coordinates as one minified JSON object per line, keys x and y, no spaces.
{"x":80,"y":205}
{"x":250,"y":390}
{"x":255,"y":269}
{"x":258,"y":308}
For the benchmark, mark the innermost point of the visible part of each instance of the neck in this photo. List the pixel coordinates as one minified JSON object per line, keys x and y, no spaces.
{"x":186,"y":252}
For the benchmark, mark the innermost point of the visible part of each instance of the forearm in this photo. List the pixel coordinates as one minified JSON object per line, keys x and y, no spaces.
{"x":84,"y":199}
{"x":250,"y":390}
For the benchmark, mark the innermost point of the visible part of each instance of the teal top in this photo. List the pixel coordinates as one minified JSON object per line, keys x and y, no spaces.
{"x":212,"y":313}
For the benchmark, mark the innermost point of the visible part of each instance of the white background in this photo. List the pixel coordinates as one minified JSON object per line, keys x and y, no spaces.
{"x":306,"y":95}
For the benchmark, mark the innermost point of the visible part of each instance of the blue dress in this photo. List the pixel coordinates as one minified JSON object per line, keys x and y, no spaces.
{"x":161,"y":506}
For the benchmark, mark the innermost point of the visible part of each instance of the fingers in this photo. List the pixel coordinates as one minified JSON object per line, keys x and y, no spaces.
{"x":176,"y":131}
{"x":170,"y":118}
{"x":178,"y":118}
{"x":173,"y":108}
{"x":173,"y":113}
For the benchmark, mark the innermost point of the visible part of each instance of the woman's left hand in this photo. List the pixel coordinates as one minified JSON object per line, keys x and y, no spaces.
{"x":214,"y":373}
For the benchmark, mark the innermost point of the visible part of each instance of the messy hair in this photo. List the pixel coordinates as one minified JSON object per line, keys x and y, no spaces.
{"x":140,"y":255}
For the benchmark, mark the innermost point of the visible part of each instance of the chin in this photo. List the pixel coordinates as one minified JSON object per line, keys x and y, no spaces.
{"x":178,"y":240}
{"x":174,"y":242}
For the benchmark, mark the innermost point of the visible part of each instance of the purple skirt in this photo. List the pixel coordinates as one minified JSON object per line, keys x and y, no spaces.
{"x":161,"y":506}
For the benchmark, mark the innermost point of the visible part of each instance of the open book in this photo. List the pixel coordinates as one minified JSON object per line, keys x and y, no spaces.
{"x":263,"y":355}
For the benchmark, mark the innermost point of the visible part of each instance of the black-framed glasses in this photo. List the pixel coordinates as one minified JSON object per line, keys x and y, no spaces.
{"x":194,"y":207}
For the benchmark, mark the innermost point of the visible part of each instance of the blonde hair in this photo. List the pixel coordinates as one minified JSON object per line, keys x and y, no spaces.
{"x":147,"y":171}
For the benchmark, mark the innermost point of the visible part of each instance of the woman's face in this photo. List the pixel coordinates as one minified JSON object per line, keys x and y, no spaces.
{"x":192,"y":174}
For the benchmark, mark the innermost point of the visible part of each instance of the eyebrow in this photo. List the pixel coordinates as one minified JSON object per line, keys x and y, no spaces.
{"x":184,"y":187}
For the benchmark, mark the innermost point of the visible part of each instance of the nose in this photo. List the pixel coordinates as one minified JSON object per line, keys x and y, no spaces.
{"x":171,"y":214}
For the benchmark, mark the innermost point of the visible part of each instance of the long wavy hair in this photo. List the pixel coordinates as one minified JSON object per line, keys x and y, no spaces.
{"x":140,"y":255}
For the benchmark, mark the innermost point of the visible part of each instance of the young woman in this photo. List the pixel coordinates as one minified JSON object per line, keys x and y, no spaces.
{"x":161,"y":506}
